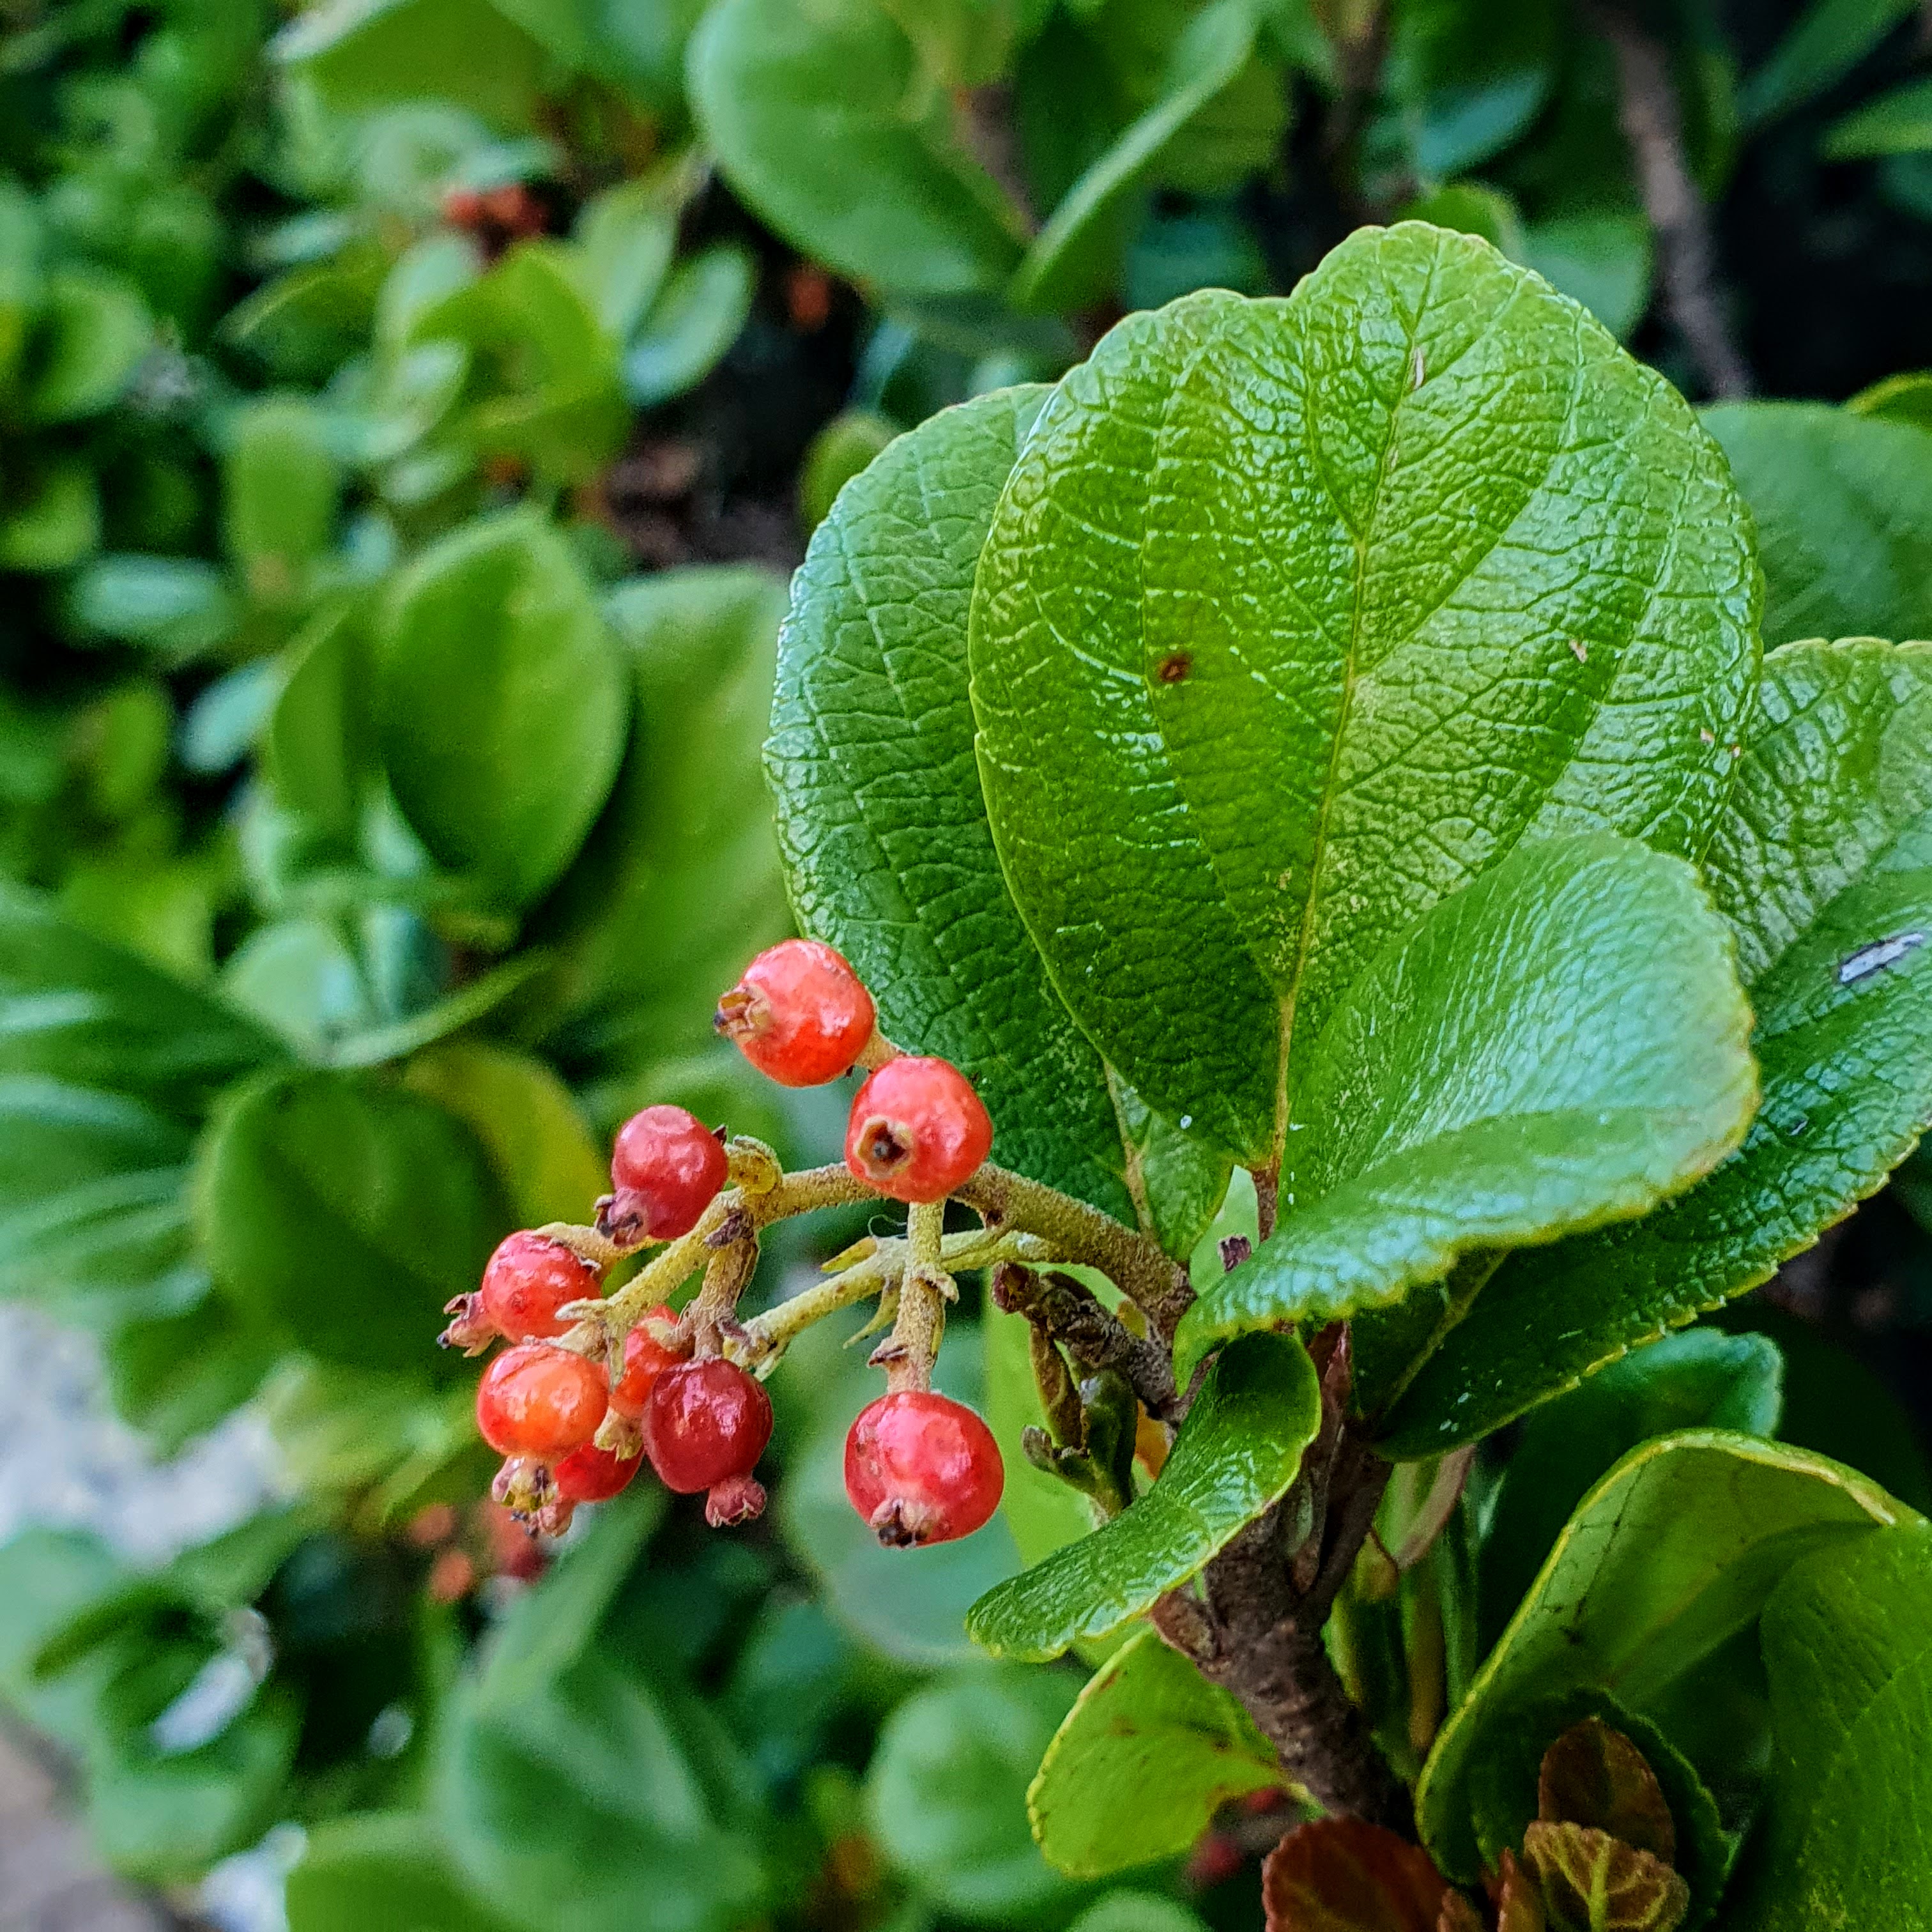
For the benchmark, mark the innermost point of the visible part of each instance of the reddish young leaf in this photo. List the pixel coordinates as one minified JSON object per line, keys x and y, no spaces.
{"x":1593,"y":1776}
{"x":1519,"y":1908}
{"x":1458,"y":1915}
{"x":1340,"y":1875}
{"x":1593,"y":1882}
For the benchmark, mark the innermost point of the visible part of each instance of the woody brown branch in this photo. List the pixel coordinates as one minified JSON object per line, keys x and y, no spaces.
{"x":1069,"y":1312}
{"x":1254,"y":1626}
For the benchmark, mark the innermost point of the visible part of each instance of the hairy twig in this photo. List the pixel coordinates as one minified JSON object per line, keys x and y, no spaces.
{"x":1157,"y":1285}
{"x":1679,"y":221}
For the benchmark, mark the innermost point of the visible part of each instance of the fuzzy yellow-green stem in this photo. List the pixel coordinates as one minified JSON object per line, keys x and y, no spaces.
{"x":908,"y":1354}
{"x":1135,"y":1264}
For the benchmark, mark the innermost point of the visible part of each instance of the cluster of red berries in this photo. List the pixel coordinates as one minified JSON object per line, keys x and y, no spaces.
{"x":920,"y":1468}
{"x":802,"y":1016}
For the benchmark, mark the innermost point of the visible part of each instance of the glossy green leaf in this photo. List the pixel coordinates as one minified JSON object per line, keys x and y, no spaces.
{"x":678,"y":884}
{"x":578,"y":1768}
{"x":1468,"y":80}
{"x":692,"y":324}
{"x":93,"y":1208}
{"x":500,"y":704}
{"x":1146,"y":1756}
{"x":55,"y":522}
{"x":1072,"y":259}
{"x":625,"y":239}
{"x":365,"y":52}
{"x":822,"y":120}
{"x":946,"y":1795}
{"x":77,"y":1009}
{"x":1237,"y":1453}
{"x":879,"y":808}
{"x":528,"y":1121}
{"x":1826,"y":41}
{"x":1136,"y":1911}
{"x":180,"y":605}
{"x":1496,"y":1077}
{"x":1674,"y":1552}
{"x":320,"y":751}
{"x":1898,"y":123}
{"x":1824,"y":871}
{"x":838,"y":452}
{"x":1842,"y":505}
{"x":545,"y":377}
{"x":1906,"y":398}
{"x":1696,"y":1379}
{"x":1251,"y":536}
{"x":347,"y":1210}
{"x":1847,"y":1639}
{"x":94,"y":332}
{"x":279,"y":484}
{"x":381,"y":1867}
{"x":173,"y":1376}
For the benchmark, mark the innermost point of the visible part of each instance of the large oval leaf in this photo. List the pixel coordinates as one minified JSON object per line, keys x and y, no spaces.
{"x":1843,"y":509}
{"x":1671,"y":1554}
{"x":1237,"y":1453}
{"x":500,"y":704}
{"x":1559,"y":1044}
{"x":76,"y":1009}
{"x":1150,"y":1752}
{"x":347,"y":1210}
{"x":1847,"y":1639}
{"x":1824,"y":872}
{"x":678,"y":884}
{"x":1296,"y":615}
{"x":823,"y":119}
{"x":879,"y":808}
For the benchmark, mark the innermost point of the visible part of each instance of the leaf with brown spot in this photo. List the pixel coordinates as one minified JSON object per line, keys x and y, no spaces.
{"x":1593,"y":1882}
{"x":1593,"y":1776}
{"x":1340,"y":1875}
{"x":1518,"y":1907}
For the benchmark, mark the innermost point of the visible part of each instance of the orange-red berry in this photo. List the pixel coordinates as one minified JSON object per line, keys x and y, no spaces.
{"x":593,"y":1475}
{"x":917,"y":1129}
{"x":645,"y":1359}
{"x":920,"y":1468}
{"x":538,"y":1401}
{"x":527,"y":1280}
{"x":707,"y":1422}
{"x":799,"y":1015}
{"x":666,"y":1169}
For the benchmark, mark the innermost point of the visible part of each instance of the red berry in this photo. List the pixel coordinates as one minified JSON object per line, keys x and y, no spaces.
{"x":707,"y":1420}
{"x":462,"y":207}
{"x":800,"y":1014}
{"x":922,"y":1468}
{"x":534,"y":1400}
{"x":917,"y":1130}
{"x":527,"y":1280}
{"x":645,"y":1359}
{"x":665,"y":1170}
{"x":594,"y":1475}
